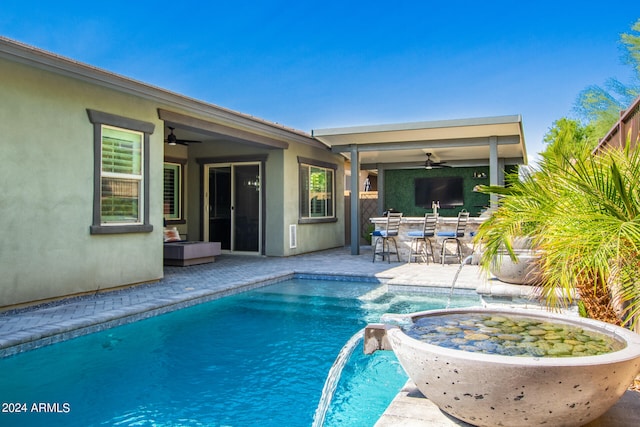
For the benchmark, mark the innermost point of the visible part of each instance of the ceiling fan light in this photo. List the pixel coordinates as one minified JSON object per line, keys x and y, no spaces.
{"x":171,"y":138}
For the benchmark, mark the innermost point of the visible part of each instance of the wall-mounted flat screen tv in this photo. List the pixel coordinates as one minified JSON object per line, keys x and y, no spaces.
{"x":446,"y":190}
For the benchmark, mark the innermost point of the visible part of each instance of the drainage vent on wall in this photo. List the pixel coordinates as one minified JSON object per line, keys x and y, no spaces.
{"x":293,"y":236}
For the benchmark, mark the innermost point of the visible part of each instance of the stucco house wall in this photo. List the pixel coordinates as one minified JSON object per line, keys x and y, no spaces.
{"x":47,"y":190}
{"x":47,"y":175}
{"x":315,"y":236}
{"x":281,"y":190}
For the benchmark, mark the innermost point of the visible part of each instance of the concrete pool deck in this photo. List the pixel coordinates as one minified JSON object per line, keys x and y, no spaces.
{"x":27,"y":328}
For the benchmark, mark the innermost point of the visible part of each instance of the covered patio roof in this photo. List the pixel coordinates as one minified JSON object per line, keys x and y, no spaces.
{"x":459,"y":142}
{"x":493,"y":141}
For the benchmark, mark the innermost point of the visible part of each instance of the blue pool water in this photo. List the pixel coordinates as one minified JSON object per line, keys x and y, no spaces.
{"x":258,"y":358}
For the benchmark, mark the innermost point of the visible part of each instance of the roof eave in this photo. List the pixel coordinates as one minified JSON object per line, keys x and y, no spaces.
{"x":435,"y":124}
{"x":44,"y":60}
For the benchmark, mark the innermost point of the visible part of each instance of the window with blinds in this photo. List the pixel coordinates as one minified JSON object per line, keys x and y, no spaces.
{"x":172,"y":191}
{"x":121,"y":176}
{"x":316,"y":192}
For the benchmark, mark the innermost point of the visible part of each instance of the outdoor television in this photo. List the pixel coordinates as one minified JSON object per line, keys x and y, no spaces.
{"x":446,"y":190}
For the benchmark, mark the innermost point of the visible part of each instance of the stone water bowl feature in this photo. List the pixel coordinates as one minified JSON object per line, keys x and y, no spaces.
{"x":525,"y":271}
{"x":512,"y":367}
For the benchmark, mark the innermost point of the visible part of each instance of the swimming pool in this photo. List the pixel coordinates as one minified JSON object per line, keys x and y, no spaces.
{"x":256,"y":358}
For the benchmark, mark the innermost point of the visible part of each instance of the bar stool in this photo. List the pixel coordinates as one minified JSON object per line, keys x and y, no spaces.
{"x":454,"y":236}
{"x":388,"y":234}
{"x":420,"y":239}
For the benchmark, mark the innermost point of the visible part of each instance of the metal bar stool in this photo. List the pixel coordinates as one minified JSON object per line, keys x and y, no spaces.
{"x":454,"y":236}
{"x":386,"y":235}
{"x":420,"y":239}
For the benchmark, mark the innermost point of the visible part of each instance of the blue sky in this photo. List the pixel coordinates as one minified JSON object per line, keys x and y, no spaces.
{"x":317,"y":64}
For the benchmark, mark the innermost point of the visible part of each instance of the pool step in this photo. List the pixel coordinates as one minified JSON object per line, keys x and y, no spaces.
{"x":332,"y":307}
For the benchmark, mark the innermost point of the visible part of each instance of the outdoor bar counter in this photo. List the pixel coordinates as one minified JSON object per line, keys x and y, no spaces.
{"x":444,"y":224}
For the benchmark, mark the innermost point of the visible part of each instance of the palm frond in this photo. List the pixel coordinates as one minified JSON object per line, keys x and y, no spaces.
{"x":583,"y":217}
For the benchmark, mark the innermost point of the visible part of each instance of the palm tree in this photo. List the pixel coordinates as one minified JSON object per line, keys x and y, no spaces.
{"x":582,"y":213}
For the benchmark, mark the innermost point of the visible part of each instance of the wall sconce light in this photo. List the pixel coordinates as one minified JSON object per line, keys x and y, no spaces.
{"x":255,"y":183}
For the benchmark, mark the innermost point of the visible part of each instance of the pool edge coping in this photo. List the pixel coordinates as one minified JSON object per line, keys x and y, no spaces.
{"x":65,"y":330}
{"x":68,"y":329}
{"x":55,"y":333}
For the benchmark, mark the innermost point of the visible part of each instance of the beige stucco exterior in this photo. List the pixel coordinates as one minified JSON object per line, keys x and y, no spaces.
{"x":281,"y":195}
{"x":310,"y":236}
{"x":47,"y":190}
{"x":47,"y":175}
{"x":47,"y":172}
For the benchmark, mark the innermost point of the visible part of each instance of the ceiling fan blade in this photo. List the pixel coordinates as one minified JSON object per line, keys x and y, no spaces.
{"x":430,"y":164}
{"x":173,"y":140}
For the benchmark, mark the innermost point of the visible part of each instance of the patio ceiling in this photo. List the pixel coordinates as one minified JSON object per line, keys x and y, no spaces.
{"x":460,"y":142}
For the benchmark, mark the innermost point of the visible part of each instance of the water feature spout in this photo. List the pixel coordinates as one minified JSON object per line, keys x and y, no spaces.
{"x":333,"y":377}
{"x":375,"y":338}
{"x":455,"y":278}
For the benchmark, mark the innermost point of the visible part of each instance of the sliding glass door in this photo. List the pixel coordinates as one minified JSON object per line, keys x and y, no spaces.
{"x":232,"y":206}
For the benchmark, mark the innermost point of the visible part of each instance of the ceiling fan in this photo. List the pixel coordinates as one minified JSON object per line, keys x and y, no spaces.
{"x":430,"y":164}
{"x":173,"y":140}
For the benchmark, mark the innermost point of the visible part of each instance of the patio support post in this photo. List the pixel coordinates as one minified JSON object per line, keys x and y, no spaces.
{"x":380,"y":189}
{"x":494,"y":172}
{"x":355,"y":200}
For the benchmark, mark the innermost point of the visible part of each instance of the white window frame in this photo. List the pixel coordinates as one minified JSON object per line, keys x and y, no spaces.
{"x":307,"y":166}
{"x":101,"y":121}
{"x":178,"y":190}
{"x":136,"y":178}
